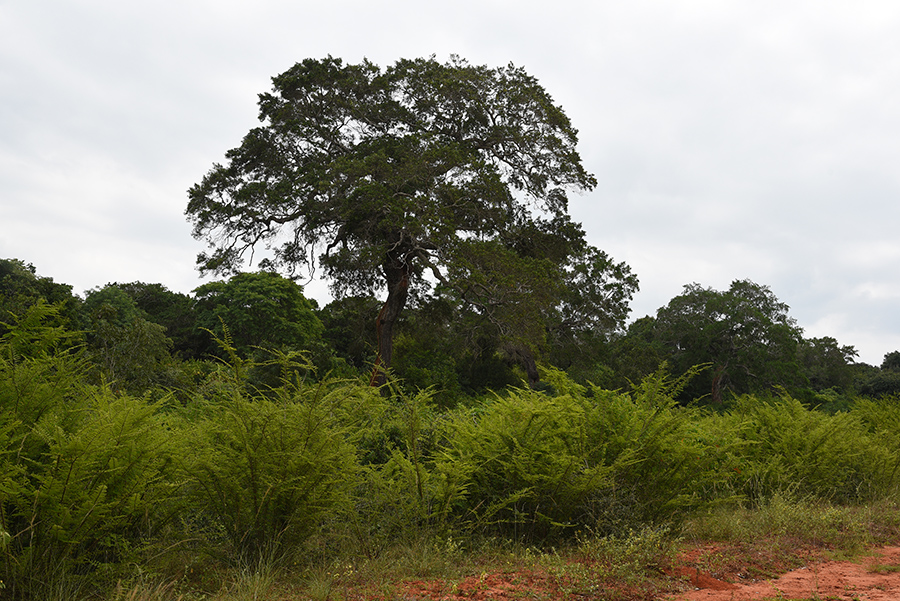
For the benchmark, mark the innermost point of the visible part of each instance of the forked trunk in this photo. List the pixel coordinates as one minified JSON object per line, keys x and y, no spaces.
{"x":397,"y":274}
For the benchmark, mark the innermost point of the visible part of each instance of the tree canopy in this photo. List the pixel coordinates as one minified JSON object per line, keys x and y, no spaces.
{"x":259,"y":310}
{"x":173,"y":310}
{"x":745,"y":333}
{"x":421,"y":177}
{"x":130,"y":349}
{"x":21,"y":287}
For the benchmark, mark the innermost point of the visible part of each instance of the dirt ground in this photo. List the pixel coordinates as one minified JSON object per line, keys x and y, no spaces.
{"x":708,"y":572}
{"x":874,"y":577}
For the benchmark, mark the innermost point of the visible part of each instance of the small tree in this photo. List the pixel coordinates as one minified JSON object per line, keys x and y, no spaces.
{"x":745,"y":333}
{"x":130,"y":350}
{"x":380,"y":176}
{"x":260,"y":310}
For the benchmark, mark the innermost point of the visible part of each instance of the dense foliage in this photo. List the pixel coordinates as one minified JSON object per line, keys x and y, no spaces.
{"x":144,"y":430}
{"x":106,"y":465}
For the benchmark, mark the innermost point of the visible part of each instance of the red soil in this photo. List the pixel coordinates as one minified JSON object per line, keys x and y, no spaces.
{"x":708,"y":572}
{"x":872,"y":578}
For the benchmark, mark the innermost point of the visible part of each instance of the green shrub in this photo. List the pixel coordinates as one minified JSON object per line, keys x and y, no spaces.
{"x":881,"y":420}
{"x":96,"y":490}
{"x":791,"y":448}
{"x":267,"y":468}
{"x":522,"y":463}
{"x":81,"y":472}
{"x":400,"y":495}
{"x":532,"y":466}
{"x":665,"y":459}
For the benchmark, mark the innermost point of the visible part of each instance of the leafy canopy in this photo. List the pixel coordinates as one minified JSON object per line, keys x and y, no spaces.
{"x":21,"y":287}
{"x":259,"y":309}
{"x":745,"y":333}
{"x":420,"y":176}
{"x":404,"y":167}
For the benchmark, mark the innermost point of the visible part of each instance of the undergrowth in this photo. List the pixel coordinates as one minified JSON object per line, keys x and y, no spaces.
{"x":239,"y":490}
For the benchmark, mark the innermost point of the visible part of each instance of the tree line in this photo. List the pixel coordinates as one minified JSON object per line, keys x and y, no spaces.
{"x":444,"y":186}
{"x":143,"y":336}
{"x":440,"y":189}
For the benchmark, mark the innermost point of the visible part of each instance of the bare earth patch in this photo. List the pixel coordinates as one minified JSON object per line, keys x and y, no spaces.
{"x":874,"y":577}
{"x":704,"y":572}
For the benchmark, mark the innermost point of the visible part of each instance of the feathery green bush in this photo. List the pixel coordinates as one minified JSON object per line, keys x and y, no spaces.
{"x":522,"y":464}
{"x":266,"y":468}
{"x":82,"y":469}
{"x":666,"y":459}
{"x":789,"y":448}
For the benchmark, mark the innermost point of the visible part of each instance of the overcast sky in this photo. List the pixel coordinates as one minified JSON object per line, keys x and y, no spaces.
{"x":731,"y":140}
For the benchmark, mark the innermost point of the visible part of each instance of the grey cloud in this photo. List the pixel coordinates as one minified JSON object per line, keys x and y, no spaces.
{"x":752,"y":140}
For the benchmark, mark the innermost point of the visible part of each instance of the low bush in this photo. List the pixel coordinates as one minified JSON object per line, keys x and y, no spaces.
{"x":788,"y":447}
{"x":524,"y":464}
{"x":665,"y":459}
{"x":266,"y":468}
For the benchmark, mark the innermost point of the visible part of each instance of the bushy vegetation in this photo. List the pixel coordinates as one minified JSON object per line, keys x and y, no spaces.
{"x":102,"y":486}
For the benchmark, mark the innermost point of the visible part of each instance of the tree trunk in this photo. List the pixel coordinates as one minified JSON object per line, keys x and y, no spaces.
{"x":396,"y":272}
{"x":718,"y":384}
{"x":525,"y":358}
{"x":531,"y":370}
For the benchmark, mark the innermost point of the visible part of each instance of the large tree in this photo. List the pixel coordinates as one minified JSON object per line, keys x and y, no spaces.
{"x":381,"y":176}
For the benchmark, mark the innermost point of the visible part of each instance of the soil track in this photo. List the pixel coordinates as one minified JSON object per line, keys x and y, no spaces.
{"x":704,"y":572}
{"x":875,"y":577}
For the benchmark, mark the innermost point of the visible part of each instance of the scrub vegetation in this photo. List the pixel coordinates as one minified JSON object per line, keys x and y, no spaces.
{"x":253,"y":475}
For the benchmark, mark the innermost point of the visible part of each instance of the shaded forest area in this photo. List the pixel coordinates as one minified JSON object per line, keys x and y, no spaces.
{"x":143,"y":338}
